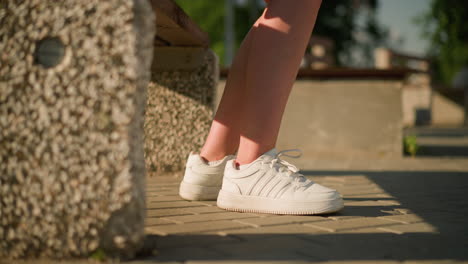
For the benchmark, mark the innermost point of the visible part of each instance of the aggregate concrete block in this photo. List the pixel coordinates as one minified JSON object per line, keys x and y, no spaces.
{"x":180,"y":105}
{"x":73,"y":78}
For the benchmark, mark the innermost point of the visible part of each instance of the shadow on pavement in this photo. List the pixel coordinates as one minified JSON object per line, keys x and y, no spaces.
{"x":442,"y":151}
{"x":444,"y":132}
{"x":440,"y":142}
{"x":439,"y":197}
{"x":311,"y":247}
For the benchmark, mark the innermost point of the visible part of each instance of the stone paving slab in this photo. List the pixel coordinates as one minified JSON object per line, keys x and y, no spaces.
{"x":412,"y":211}
{"x":397,"y":214}
{"x":279,"y":220}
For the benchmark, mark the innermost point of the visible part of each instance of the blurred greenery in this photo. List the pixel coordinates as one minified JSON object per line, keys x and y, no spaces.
{"x":98,"y":255}
{"x":353,"y":27}
{"x":338,"y":20}
{"x":209,"y":16}
{"x":410,"y":143}
{"x":445,"y":26}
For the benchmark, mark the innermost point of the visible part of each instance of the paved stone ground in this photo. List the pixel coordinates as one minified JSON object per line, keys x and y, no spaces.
{"x":412,"y":210}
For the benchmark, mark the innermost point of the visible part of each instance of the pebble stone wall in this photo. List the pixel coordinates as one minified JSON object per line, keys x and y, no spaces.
{"x":179,"y":113}
{"x":71,"y":136}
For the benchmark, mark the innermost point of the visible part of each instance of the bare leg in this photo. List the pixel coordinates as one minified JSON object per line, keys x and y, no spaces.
{"x":260,"y":81}
{"x":224,"y":135}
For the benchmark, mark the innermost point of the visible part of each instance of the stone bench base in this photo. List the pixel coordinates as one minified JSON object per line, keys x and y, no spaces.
{"x":180,"y":105}
{"x":72,"y":96}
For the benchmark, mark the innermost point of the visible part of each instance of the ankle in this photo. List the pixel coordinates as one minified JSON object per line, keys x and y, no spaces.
{"x":214,"y":156}
{"x":239,"y":161}
{"x":239,"y":166}
{"x":247,"y":156}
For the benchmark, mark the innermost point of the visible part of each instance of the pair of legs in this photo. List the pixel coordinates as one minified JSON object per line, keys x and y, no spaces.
{"x":260,"y":80}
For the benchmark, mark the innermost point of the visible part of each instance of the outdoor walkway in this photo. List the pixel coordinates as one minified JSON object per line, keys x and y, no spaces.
{"x":397,"y":211}
{"x":409,"y":210}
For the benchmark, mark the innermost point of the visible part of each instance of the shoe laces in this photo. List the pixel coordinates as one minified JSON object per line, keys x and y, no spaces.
{"x":287,"y":168}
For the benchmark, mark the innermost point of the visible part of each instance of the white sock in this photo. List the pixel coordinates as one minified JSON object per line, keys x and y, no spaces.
{"x":215,"y":162}
{"x":243,"y":166}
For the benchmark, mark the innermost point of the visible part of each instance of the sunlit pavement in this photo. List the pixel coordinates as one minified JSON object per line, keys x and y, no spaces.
{"x":409,"y":210}
{"x":412,"y":210}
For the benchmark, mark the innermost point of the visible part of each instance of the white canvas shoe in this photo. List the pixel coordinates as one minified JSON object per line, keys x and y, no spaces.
{"x":202,"y":180}
{"x":272,"y":185}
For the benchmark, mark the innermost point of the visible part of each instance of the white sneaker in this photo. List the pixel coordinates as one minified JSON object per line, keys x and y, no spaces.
{"x":202,"y":180}
{"x":272,"y":185}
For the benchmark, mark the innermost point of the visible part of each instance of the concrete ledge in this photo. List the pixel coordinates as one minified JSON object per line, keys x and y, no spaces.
{"x":417,"y":100}
{"x":343,"y":119}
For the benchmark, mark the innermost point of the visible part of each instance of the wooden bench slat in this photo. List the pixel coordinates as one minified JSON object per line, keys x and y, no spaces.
{"x":175,"y":27}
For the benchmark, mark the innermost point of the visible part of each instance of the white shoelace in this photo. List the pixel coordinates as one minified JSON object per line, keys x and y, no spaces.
{"x":288,"y":168}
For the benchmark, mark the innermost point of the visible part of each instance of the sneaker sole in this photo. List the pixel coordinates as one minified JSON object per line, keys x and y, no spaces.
{"x":254,"y":204}
{"x":194,"y":192}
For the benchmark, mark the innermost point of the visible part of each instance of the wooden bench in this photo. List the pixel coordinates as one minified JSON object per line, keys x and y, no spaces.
{"x":175,"y":28}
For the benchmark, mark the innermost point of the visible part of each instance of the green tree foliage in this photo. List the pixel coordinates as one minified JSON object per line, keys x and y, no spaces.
{"x":445,"y":26}
{"x":353,"y":26}
{"x":338,"y":20}
{"x":209,"y":15}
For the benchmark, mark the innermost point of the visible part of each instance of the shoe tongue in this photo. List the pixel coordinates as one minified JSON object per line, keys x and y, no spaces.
{"x":272,"y":152}
{"x":269,"y":155}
